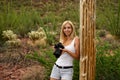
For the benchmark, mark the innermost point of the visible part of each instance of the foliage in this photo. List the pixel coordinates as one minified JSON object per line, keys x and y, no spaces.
{"x":8,"y":34}
{"x":114,"y":20}
{"x":46,"y":58}
{"x":101,"y":33}
{"x":36,"y":57}
{"x":23,"y":16}
{"x":108,"y":16}
{"x":20,"y":21}
{"x":11,"y":38}
{"x":107,"y":62}
{"x":76,"y":70}
{"x":51,"y":38}
{"x":39,"y":34}
{"x":37,"y":38}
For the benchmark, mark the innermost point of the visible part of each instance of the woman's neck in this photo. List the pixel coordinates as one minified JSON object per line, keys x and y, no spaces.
{"x":68,"y":38}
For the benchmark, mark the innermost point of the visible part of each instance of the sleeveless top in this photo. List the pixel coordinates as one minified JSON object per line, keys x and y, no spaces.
{"x":65,"y":59}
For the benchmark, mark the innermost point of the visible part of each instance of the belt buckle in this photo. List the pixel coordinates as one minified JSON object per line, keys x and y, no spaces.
{"x":62,"y":67}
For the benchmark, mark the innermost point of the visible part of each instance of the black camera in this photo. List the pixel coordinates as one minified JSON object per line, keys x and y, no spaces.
{"x":57,"y":47}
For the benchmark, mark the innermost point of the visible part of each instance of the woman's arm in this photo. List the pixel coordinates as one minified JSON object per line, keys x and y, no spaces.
{"x":75,"y":55}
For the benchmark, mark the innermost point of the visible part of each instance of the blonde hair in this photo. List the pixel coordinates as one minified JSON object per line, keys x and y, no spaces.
{"x":62,"y":35}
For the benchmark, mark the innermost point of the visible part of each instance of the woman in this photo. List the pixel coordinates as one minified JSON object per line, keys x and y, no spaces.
{"x":63,"y":67}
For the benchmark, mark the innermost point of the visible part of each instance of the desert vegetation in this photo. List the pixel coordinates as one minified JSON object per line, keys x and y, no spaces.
{"x":30,"y":28}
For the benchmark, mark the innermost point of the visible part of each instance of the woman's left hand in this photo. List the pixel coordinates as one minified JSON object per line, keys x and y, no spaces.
{"x":64,"y":50}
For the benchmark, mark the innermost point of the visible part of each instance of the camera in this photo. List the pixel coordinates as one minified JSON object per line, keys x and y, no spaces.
{"x":57,"y":47}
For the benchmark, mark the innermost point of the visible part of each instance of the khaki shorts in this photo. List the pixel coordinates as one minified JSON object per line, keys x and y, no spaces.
{"x":59,"y":73}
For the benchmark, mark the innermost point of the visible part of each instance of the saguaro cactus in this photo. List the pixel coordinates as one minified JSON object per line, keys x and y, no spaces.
{"x":87,"y":40}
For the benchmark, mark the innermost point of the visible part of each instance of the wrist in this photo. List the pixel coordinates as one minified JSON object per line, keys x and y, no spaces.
{"x":67,"y":51}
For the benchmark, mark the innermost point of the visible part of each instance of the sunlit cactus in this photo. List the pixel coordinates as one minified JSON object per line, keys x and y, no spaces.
{"x":38,"y":37}
{"x":15,"y":42}
{"x":35,"y":35}
{"x":40,"y":29}
{"x":11,"y":38}
{"x":9,"y":35}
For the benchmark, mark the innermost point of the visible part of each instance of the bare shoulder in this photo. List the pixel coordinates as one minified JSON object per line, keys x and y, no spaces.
{"x":77,"y":41}
{"x":77,"y":38}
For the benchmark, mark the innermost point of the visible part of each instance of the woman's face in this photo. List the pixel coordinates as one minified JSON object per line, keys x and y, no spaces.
{"x":67,"y":29}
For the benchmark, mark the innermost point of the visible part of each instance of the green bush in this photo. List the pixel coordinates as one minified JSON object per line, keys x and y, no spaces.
{"x":108,"y":16}
{"x":21,"y":22}
{"x":101,"y":33}
{"x":107,"y":64}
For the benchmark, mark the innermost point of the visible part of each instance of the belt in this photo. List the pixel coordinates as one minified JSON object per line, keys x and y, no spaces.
{"x":63,"y":67}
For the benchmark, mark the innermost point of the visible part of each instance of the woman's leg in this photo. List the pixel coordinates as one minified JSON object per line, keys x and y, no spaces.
{"x":55,"y":74}
{"x":67,"y":74}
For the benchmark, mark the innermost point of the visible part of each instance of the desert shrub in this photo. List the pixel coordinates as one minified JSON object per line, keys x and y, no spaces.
{"x":107,"y":62}
{"x":11,"y":38}
{"x":109,"y":16}
{"x":21,"y":21}
{"x":38,"y":38}
{"x":101,"y":33}
{"x":35,"y":56}
{"x":51,"y":38}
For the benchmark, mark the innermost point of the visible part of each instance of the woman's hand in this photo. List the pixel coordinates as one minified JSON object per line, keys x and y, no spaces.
{"x":64,"y":50}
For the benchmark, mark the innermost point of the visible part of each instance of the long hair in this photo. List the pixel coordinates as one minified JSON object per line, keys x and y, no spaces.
{"x":62,"y":35}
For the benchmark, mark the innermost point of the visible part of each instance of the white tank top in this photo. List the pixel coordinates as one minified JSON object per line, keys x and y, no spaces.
{"x":65,"y":59}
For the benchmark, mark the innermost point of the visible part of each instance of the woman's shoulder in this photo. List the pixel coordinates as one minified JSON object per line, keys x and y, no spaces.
{"x":76,"y":38}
